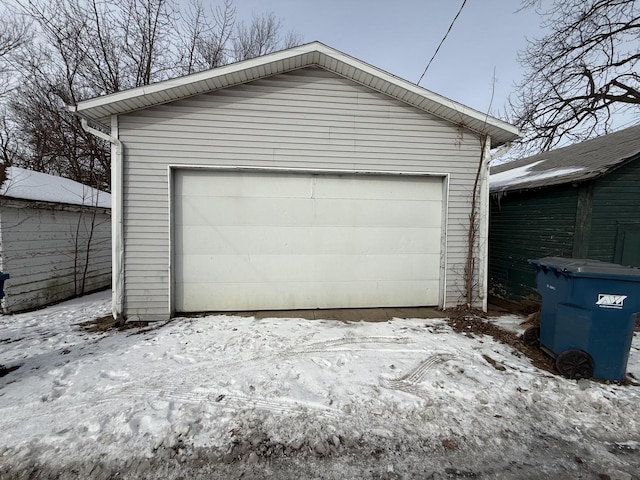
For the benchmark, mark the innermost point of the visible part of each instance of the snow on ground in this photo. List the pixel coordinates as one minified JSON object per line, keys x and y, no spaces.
{"x":230,"y":397}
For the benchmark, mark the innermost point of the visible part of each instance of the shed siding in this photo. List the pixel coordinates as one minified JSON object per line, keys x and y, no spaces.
{"x":309,"y":119}
{"x":616,"y":205}
{"x":523,"y":226}
{"x":39,"y":252}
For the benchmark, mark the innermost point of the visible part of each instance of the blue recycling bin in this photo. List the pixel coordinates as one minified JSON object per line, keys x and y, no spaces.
{"x":588,"y":315}
{"x":3,"y":277}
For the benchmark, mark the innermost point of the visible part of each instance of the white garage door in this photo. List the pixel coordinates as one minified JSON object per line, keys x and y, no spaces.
{"x":279,"y":241}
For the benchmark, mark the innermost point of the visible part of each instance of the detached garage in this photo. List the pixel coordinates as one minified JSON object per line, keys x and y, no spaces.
{"x":301,"y":179}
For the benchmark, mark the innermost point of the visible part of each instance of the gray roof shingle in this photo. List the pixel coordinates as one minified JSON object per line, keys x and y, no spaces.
{"x":575,"y":163}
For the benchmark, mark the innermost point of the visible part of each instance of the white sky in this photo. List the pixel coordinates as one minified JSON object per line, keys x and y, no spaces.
{"x":400,"y":36}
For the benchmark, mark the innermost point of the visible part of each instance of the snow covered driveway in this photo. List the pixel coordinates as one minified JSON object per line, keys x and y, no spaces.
{"x":230,"y":397}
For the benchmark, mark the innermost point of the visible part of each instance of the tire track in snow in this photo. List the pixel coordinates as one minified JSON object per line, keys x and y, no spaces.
{"x":339,"y":342}
{"x":418,"y":373}
{"x":72,"y":414}
{"x":410,"y":380}
{"x":325,"y":346}
{"x":227,"y":400}
{"x":170,"y":391}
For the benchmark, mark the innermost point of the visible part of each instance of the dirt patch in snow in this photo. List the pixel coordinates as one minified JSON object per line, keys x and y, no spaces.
{"x":108,"y":323}
{"x":473,"y":323}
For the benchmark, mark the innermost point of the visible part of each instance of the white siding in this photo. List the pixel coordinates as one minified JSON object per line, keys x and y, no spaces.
{"x":309,"y":118}
{"x":39,"y":252}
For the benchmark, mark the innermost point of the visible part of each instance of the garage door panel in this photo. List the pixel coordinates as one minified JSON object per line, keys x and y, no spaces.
{"x":297,"y":295}
{"x":235,"y":184}
{"x":398,"y":213}
{"x":300,"y":268}
{"x":280,"y":241}
{"x":308,"y":212}
{"x":374,"y":187}
{"x":226,"y":240}
{"x":246,"y":211}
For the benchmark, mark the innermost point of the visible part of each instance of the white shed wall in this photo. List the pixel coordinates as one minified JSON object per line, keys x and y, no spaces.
{"x":308,"y":118}
{"x":39,"y":252}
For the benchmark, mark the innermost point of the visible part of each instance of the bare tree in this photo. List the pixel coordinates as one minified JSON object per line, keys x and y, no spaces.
{"x":146,"y":27}
{"x":261,"y":37}
{"x":470,"y":271}
{"x":11,"y":148}
{"x":54,"y":75}
{"x":104,"y":67}
{"x":83,"y":238}
{"x":86,"y":48}
{"x":57,"y":143}
{"x":207,"y":36}
{"x":14,"y":36}
{"x":292,"y":39}
{"x":582,"y":73}
{"x":79,"y":54}
{"x":196,"y":26}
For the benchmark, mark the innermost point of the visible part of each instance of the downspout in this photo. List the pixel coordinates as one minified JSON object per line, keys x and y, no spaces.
{"x":117,"y":239}
{"x":483,"y":243}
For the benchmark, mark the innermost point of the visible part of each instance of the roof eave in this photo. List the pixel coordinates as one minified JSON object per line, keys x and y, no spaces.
{"x":100,"y":109}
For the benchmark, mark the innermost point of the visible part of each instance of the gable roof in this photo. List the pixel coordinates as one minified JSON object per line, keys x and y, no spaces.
{"x":30,"y":185}
{"x":575,"y":163}
{"x":100,"y":109}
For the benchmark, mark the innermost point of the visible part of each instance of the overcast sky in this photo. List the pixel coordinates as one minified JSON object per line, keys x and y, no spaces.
{"x":400,"y":36}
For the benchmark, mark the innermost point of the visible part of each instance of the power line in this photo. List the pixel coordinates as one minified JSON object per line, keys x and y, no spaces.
{"x":442,"y":41}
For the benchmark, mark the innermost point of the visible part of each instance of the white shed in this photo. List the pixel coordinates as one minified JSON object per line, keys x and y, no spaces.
{"x":55,"y":239}
{"x":301,"y":179}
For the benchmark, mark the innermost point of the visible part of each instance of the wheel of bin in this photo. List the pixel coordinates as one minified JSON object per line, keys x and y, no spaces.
{"x":531,"y":336}
{"x":575,"y":364}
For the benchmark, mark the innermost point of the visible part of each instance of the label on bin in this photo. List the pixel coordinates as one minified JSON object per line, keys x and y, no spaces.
{"x":606,"y":300}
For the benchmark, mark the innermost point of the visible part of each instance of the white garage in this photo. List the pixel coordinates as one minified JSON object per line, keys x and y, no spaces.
{"x":305,"y":178}
{"x":272,"y":240}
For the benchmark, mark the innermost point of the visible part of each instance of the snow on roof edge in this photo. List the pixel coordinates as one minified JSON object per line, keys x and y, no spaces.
{"x":30,"y":185}
{"x":594,"y":157}
{"x":523,"y":175}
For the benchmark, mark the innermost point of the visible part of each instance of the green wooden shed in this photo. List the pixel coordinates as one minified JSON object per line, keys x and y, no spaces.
{"x":580,"y":201}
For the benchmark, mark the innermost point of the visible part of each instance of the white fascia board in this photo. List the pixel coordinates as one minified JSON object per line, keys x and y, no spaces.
{"x":192,"y":78}
{"x":325,"y":57}
{"x":459,"y":108}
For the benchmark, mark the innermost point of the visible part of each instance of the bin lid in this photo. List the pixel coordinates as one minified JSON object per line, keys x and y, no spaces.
{"x":583,"y":267}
